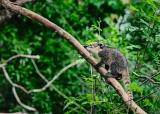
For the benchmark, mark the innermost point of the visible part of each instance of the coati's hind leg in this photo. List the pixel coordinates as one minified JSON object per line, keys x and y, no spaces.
{"x":114,"y":71}
{"x":106,"y":67}
{"x":110,"y":75}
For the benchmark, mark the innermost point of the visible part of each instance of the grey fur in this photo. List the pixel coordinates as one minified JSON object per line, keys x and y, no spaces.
{"x":113,"y":59}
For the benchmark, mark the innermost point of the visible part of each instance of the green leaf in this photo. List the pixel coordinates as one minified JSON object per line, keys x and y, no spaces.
{"x":133,"y":8}
{"x":132,"y":46}
{"x":68,"y":104}
{"x":148,"y":103}
{"x":150,"y":67}
{"x":151,"y":3}
{"x":135,"y":87}
{"x":96,"y":28}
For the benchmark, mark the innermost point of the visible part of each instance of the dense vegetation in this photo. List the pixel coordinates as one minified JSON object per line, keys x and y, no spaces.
{"x":131,"y":27}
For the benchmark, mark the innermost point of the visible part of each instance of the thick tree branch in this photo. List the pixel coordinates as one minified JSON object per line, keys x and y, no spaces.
{"x":84,"y":53}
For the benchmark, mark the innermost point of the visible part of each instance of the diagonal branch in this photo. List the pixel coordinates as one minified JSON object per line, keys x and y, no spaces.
{"x":84,"y":53}
{"x":146,"y":77}
{"x":150,"y":78}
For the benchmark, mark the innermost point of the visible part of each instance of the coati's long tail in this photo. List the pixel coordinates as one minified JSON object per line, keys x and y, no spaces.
{"x":126,"y":82}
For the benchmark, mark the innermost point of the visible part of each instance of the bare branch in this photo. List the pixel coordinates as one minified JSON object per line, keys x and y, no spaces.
{"x":34,"y":90}
{"x":10,"y":81}
{"x":59,"y":92}
{"x":142,"y":76}
{"x":54,"y":78}
{"x":19,"y":101}
{"x":39,"y":90}
{"x":20,"y":55}
{"x":15,"y":85}
{"x":150,"y":78}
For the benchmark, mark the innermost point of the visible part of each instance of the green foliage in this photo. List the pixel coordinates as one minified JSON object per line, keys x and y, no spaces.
{"x":148,"y":103}
{"x":133,"y":8}
{"x":88,"y":21}
{"x":136,"y":88}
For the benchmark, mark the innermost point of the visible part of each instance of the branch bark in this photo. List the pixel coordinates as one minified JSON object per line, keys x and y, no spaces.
{"x":84,"y":53}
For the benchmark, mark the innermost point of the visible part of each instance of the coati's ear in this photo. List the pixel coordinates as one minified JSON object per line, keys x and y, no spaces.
{"x":101,"y":45}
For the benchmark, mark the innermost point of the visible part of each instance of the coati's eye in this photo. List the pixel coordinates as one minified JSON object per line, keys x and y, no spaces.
{"x":100,"y":45}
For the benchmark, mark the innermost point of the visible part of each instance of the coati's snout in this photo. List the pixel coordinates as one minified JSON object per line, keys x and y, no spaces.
{"x":87,"y":48}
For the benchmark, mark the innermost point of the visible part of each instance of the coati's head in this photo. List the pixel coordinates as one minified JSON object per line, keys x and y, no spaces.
{"x":94,"y":47}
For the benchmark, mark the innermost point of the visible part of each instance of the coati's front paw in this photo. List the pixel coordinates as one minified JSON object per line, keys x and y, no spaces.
{"x":96,"y":66}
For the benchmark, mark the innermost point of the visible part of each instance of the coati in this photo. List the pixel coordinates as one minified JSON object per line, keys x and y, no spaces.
{"x":113,"y":59}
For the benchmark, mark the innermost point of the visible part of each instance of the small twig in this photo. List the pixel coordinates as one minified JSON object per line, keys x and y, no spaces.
{"x":150,"y":78}
{"x":115,"y":108}
{"x":20,"y":55}
{"x":137,"y":60}
{"x":47,"y":85}
{"x":93,"y":91}
{"x":142,"y":76}
{"x":146,"y":96}
{"x":19,"y":101}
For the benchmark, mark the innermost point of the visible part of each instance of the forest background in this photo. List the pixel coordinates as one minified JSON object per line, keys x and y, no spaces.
{"x":132,"y":27}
